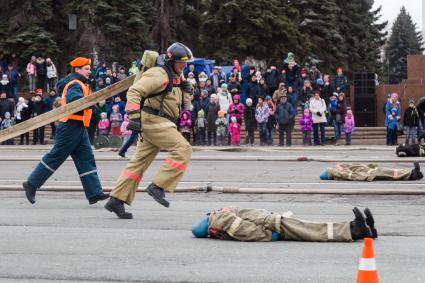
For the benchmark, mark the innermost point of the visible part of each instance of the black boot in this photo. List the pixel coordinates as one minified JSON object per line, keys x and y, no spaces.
{"x":358,"y":227}
{"x":416,"y":172}
{"x":101,"y":196}
{"x":371,"y":222}
{"x":117,"y":206}
{"x":121,"y":153}
{"x":158,"y":194}
{"x":29,"y":191}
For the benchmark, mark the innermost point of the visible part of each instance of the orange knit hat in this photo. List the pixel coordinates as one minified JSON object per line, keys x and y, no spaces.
{"x":80,"y":62}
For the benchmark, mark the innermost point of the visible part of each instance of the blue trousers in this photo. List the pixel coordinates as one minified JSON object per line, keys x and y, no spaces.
{"x":71,"y":139}
{"x":129,"y":142}
{"x":337,"y":129}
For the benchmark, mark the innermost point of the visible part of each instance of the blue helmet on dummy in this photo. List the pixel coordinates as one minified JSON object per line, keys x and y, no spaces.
{"x":200,"y":229}
{"x":324,"y":175}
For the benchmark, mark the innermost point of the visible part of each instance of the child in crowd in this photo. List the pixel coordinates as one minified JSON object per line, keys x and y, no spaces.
{"x":306,"y":123}
{"x":333,"y":103}
{"x":186,"y":124}
{"x":250,"y":122}
{"x":235,"y":131}
{"x":200,"y":125}
{"x":21,"y":105}
{"x":116,"y":121}
{"x":125,"y":133}
{"x":411,"y":122}
{"x":392,"y":125}
{"x":5,"y":124}
{"x":103,"y":124}
{"x":221,"y":124}
{"x":348,"y":126}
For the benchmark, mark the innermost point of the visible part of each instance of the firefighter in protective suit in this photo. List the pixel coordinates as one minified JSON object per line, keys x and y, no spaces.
{"x":252,"y":224}
{"x":71,"y":139}
{"x":163,"y":95}
{"x":371,"y":172}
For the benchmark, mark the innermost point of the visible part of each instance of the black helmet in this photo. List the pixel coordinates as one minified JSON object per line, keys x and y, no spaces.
{"x":179,"y":52}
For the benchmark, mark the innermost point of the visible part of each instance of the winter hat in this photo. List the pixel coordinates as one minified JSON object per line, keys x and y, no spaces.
{"x":190,"y":74}
{"x":411,"y":100}
{"x":248,"y":101}
{"x":349,"y":112}
{"x":224,"y":86}
{"x":201,"y":114}
{"x":236,"y":97}
{"x":221,"y":114}
{"x":324,"y":175}
{"x":388,"y":95}
{"x":103,"y":115}
{"x":213,"y":96}
{"x":233,"y":119}
{"x":21,"y":100}
{"x":306,"y":112}
{"x":319,"y":82}
{"x":394,"y":95}
{"x":268,"y":97}
{"x":115,"y":107}
{"x":335,"y":94}
{"x":108,"y":80}
{"x":7,"y":115}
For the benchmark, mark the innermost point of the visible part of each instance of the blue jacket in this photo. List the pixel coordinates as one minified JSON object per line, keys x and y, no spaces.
{"x":388,"y":108}
{"x":100,"y":73}
{"x":74,"y":90}
{"x":13,"y":77}
{"x":285,"y":113}
{"x":121,"y":108}
{"x":49,"y":101}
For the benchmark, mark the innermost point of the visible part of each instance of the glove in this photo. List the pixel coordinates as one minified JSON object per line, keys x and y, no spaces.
{"x":134,"y":123}
{"x":186,"y":86}
{"x":319,"y":114}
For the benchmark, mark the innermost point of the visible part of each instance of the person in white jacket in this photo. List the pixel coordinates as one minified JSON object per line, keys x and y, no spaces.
{"x":224,"y":100}
{"x":318,"y":110}
{"x":52,"y":74}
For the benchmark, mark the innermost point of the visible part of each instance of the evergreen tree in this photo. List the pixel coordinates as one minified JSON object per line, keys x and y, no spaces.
{"x":262,"y":29}
{"x":23,"y":32}
{"x":319,"y":23}
{"x":404,"y":40}
{"x":363,"y":35}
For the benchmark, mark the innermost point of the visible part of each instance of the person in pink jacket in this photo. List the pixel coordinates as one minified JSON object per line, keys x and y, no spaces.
{"x":103,"y":124}
{"x":125,"y":133}
{"x":236,"y":109}
{"x":235,"y":131}
{"x":32,"y":73}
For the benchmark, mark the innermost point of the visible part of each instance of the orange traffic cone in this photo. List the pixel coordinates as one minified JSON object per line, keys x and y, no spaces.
{"x":367,"y":269}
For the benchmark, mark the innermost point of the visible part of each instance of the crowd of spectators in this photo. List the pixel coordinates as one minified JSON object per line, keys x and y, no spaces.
{"x":275,"y":101}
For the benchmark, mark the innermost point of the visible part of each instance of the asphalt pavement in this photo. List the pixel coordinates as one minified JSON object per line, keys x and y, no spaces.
{"x":63,"y":239}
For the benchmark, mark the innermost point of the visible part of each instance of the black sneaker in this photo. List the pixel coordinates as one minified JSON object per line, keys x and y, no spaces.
{"x":358,"y":227}
{"x":117,"y":206}
{"x":101,"y":196}
{"x":158,"y":194}
{"x":371,"y":223}
{"x":29,"y":191}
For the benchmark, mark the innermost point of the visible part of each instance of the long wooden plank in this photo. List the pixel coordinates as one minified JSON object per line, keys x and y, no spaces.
{"x":66,"y":110}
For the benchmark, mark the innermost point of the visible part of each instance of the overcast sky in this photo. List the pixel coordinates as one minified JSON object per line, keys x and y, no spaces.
{"x":391,"y":8}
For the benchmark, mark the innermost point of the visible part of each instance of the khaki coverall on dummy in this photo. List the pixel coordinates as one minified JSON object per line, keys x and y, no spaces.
{"x":258,"y":225}
{"x":158,"y":133}
{"x":367,"y":172}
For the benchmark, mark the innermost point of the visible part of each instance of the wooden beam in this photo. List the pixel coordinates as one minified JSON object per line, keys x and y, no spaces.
{"x":63,"y":111}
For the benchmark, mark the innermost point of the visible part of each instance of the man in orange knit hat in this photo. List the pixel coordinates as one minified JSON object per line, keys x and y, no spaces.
{"x":71,"y":139}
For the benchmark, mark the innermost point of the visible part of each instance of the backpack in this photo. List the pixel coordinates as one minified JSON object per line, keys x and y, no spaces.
{"x":149,"y":60}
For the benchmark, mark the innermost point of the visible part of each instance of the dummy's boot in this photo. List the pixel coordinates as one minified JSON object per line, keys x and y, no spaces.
{"x":101,"y":196}
{"x":158,"y":194}
{"x":29,"y":191}
{"x":358,"y":227}
{"x":416,"y":172}
{"x":117,"y":206}
{"x":371,"y":223}
{"x":121,"y":153}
